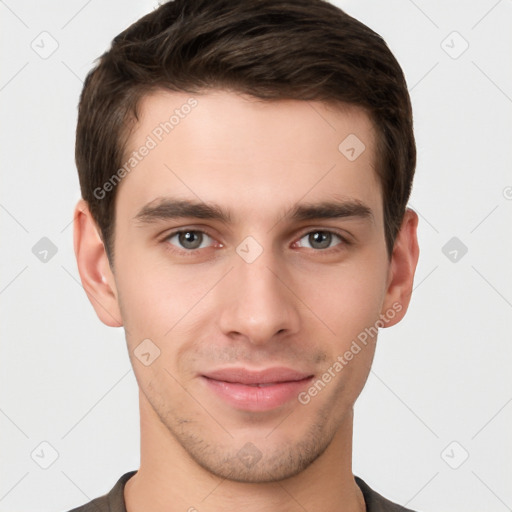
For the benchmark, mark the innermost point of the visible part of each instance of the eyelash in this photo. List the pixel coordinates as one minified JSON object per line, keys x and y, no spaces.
{"x":192,"y":252}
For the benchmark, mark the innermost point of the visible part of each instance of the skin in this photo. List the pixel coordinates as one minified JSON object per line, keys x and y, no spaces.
{"x":296,"y":305}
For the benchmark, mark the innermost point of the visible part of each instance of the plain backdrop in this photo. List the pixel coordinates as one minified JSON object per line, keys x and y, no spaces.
{"x":432,"y":426}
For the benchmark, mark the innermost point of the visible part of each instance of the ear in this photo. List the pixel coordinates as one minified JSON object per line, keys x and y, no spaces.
{"x":401,"y":270}
{"x":94,"y":268}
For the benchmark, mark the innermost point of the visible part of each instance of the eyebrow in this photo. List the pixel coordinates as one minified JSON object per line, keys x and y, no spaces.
{"x":167,"y":209}
{"x":349,"y":208}
{"x":162,"y":209}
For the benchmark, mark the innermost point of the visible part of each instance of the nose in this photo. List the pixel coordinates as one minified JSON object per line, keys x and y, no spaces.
{"x":258,"y":302}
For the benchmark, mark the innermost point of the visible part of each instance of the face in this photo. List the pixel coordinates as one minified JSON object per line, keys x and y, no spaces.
{"x":250,"y":261}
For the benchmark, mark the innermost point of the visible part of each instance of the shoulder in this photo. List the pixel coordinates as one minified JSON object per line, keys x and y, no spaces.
{"x":113,"y":501}
{"x":375,"y":502}
{"x":97,"y":505}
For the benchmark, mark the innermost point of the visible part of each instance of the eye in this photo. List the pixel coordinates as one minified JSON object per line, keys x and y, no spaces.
{"x":321,"y":239}
{"x":189,"y":239}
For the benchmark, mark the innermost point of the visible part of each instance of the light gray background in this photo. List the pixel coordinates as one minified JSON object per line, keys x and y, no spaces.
{"x":441,"y":376}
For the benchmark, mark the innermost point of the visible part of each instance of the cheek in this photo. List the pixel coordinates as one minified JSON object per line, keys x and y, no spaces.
{"x":350,"y":306}
{"x":155,"y":305}
{"x":347,"y":297}
{"x":157,"y":299}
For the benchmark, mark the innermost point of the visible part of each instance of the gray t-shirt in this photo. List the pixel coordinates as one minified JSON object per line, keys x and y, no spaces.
{"x":114,"y":500}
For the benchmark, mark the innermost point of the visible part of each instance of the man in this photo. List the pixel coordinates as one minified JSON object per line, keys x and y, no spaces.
{"x":245,"y":169}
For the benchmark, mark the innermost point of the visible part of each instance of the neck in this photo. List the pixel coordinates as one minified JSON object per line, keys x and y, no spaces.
{"x":170,"y":480}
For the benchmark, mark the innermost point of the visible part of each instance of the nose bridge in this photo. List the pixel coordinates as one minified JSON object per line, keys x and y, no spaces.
{"x":258,"y":304}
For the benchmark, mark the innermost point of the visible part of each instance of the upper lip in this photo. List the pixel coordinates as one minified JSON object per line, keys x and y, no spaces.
{"x":266,"y":376}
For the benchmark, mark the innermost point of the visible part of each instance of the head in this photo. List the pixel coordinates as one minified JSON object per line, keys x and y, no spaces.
{"x":267,"y":123}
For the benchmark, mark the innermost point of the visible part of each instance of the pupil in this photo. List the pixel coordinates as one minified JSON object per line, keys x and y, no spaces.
{"x":321,"y":238}
{"x":187,"y":240}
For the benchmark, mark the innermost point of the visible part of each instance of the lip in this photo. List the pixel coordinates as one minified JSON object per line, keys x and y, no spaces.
{"x":261,"y":390}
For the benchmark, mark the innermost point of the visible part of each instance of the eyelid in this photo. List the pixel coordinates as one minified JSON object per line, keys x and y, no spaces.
{"x":186,"y":229}
{"x":326,"y":229}
{"x":345,"y":240}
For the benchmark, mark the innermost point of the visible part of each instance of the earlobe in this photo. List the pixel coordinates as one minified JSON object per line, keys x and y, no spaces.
{"x":402,"y":269}
{"x":94,"y":268}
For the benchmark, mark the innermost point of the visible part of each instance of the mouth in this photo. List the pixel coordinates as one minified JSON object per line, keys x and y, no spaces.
{"x":256,"y":390}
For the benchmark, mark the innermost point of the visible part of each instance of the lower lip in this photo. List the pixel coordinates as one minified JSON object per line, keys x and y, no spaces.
{"x":254,"y":398}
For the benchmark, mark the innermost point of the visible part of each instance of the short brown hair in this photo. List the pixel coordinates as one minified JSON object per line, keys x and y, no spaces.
{"x":270,"y":49}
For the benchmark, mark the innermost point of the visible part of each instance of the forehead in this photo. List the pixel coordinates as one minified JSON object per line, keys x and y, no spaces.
{"x":223,"y":146}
